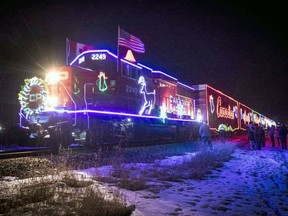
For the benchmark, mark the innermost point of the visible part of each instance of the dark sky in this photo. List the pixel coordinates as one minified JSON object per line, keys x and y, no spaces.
{"x":239,"y":48}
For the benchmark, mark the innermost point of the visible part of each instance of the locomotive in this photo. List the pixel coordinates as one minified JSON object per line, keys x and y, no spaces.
{"x":101,"y":99}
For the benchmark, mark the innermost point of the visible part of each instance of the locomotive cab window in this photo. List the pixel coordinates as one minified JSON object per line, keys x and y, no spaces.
{"x":129,"y":71}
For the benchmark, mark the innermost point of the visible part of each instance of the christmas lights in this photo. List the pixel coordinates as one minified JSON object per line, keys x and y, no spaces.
{"x":33,"y":96}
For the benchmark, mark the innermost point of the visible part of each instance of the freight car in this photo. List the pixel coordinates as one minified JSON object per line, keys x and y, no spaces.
{"x":217,"y":108}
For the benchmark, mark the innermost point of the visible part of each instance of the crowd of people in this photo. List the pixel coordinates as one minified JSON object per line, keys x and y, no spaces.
{"x":256,"y":135}
{"x":280,"y":134}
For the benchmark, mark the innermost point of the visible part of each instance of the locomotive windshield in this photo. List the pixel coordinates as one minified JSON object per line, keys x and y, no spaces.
{"x":96,"y":60}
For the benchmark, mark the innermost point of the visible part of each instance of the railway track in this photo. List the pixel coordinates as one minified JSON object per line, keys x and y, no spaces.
{"x":24,"y":152}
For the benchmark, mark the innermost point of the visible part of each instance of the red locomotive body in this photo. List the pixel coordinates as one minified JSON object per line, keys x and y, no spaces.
{"x":99,"y":99}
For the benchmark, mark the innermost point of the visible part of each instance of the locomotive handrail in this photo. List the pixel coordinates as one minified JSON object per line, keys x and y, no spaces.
{"x":75,"y":106}
{"x":86,"y":104}
{"x":21,"y":115}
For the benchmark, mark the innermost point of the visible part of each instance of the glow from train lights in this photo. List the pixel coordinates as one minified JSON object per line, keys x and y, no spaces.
{"x":160,"y":72}
{"x":101,"y":82}
{"x":85,"y":111}
{"x":224,"y":112}
{"x":33,"y":96}
{"x":143,"y":66}
{"x":180,"y":110}
{"x":93,"y":57}
{"x":52,"y":77}
{"x":212,"y":105}
{"x":148,"y":99}
{"x":163,"y":113}
{"x":199,"y":116}
{"x":51,"y":102}
{"x":134,"y":65}
{"x":185,"y":86}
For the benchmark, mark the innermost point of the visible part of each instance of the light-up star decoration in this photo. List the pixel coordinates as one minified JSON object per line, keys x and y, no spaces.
{"x":148,"y":98}
{"x":101,"y":82}
{"x":163,"y":113}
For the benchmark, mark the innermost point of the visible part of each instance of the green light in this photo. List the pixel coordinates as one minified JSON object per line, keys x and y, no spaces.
{"x":101,"y":82}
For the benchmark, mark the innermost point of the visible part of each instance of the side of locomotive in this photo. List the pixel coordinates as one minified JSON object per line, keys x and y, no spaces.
{"x":100,"y":99}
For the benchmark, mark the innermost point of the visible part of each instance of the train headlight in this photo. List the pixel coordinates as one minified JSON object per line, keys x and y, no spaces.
{"x":53,"y":77}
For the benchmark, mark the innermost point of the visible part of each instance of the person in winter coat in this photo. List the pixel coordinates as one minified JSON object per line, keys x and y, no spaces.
{"x":204,"y":132}
{"x":257,"y":137}
{"x":283,"y":136}
{"x":222,"y":132}
{"x":271,"y":135}
{"x":251,"y":138}
{"x":277,"y":135}
{"x":262,"y":135}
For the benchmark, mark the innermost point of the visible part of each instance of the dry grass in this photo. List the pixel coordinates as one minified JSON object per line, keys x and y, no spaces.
{"x":73,"y":194}
{"x":197,"y":167}
{"x":45,"y":186}
{"x":69,"y":195}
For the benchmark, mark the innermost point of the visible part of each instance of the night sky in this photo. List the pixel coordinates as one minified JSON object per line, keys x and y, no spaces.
{"x":239,"y":48}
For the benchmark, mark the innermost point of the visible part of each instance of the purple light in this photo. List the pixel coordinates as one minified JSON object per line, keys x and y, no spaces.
{"x":113,"y":113}
{"x":185,"y":85}
{"x":145,"y":66}
{"x":92,"y":51}
{"x":131,"y":63}
{"x":164,"y":74}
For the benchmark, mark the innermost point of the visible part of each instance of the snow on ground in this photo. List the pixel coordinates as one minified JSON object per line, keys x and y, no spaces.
{"x":251,"y":183}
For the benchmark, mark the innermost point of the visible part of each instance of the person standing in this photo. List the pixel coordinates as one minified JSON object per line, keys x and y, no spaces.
{"x":251,"y":137}
{"x":262,"y":135}
{"x":283,"y":136}
{"x":277,"y":134}
{"x":204,"y":132}
{"x":222,"y":132}
{"x":257,"y":137}
{"x":229,"y":132}
{"x":271,"y":134}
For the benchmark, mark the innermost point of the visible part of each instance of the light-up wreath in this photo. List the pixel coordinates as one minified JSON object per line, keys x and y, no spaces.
{"x":32,"y":96}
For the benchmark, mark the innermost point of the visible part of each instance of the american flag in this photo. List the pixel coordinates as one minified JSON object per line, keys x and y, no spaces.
{"x":127,"y":40}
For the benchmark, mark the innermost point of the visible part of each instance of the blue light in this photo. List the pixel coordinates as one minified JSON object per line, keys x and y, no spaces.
{"x":185,"y":85}
{"x":131,"y":63}
{"x":145,"y":67}
{"x":92,"y":51}
{"x":160,"y":72}
{"x":84,"y":111}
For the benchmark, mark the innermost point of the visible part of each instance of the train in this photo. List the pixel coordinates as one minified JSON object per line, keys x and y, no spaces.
{"x":100,"y":99}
